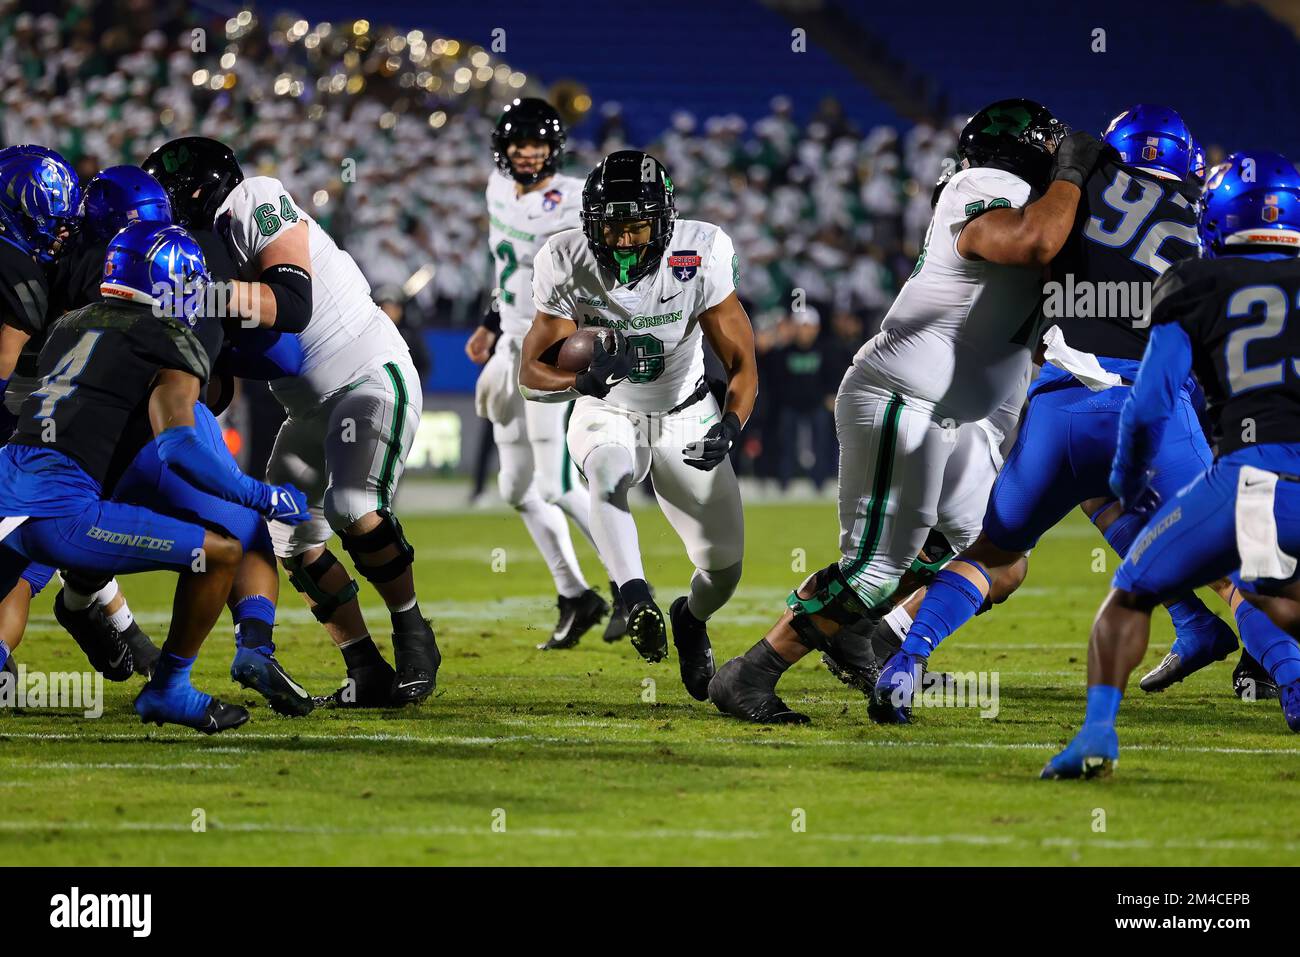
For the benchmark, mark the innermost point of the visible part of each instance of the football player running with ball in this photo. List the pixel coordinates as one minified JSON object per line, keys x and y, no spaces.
{"x":643,"y":407}
{"x":352,"y":410}
{"x":952,"y":350}
{"x":527,"y":203}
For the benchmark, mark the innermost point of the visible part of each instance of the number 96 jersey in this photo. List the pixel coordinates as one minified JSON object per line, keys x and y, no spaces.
{"x":658,"y":314}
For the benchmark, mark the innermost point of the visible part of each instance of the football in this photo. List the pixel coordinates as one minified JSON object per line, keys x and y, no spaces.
{"x":575,"y":351}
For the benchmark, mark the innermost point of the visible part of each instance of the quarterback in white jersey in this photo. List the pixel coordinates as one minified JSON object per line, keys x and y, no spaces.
{"x":919,"y":410}
{"x":352,"y":411}
{"x":663,"y":285}
{"x":528,"y":202}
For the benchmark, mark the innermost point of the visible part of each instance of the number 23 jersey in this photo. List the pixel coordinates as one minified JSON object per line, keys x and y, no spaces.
{"x":658,"y":314}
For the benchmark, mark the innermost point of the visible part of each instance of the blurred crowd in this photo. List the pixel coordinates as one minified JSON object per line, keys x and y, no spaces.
{"x":383,"y":137}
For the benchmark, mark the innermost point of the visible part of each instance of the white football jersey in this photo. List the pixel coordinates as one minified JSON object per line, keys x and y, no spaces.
{"x":958,"y":335}
{"x":348,"y":332}
{"x":658,"y":314}
{"x":517,"y":227}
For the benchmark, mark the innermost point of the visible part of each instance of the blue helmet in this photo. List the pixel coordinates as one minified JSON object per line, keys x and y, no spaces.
{"x":119,"y":196}
{"x":38,"y":199}
{"x":1252,"y":198}
{"x":1196,"y":167}
{"x":160,"y":266}
{"x":1152,"y":137}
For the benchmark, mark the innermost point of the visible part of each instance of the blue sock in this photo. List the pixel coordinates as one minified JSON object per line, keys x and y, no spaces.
{"x":949,"y":603}
{"x":172,"y":672}
{"x":1268,"y":644}
{"x":1122,"y":532}
{"x":254,"y":619}
{"x":4,"y":654}
{"x":1103,"y":705}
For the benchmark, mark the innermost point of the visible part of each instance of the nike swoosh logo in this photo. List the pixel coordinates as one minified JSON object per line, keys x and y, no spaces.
{"x":663,"y":299}
{"x":297,"y":688}
{"x":409,"y":684}
{"x":119,"y":659}
{"x":705,"y":419}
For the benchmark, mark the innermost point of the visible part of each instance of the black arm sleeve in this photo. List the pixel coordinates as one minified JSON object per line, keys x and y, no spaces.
{"x":291,"y":286}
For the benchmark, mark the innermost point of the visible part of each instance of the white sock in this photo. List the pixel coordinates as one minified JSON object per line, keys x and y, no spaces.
{"x":899,"y":621}
{"x":549,"y":528}
{"x":80,"y":601}
{"x":609,"y":472}
{"x":122,"y":618}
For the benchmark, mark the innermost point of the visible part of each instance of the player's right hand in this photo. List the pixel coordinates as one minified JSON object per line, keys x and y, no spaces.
{"x":479,"y":345}
{"x":287,"y":504}
{"x":607,"y":369}
{"x":1075,"y":157}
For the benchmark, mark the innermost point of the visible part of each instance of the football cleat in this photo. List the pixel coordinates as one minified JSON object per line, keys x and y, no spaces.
{"x":257,"y":670}
{"x":143,"y":650}
{"x":189,"y":707}
{"x":1184,"y":659}
{"x":577,"y":616}
{"x":370,"y":686}
{"x":851,"y":658}
{"x":616,"y":627}
{"x":694,"y":652}
{"x":891,"y":698}
{"x":1094,"y":752}
{"x":103,"y":646}
{"x":416,"y":658}
{"x":1251,"y":681}
{"x":1289,"y":695}
{"x":743,"y":691}
{"x":645,"y":627}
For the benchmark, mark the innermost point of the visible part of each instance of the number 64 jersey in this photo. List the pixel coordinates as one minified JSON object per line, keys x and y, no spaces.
{"x":348,"y":333}
{"x":658,"y":314}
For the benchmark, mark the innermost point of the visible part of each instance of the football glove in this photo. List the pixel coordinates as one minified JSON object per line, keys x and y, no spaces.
{"x":709,"y":452}
{"x":287,"y":504}
{"x":607,"y":369}
{"x":1075,"y":157}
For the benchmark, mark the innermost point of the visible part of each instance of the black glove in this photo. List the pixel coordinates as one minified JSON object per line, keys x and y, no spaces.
{"x":607,"y":369}
{"x":1075,"y":157}
{"x":708,"y":453}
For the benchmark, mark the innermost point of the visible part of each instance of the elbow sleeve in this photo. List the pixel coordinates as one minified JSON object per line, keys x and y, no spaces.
{"x":291,"y":286}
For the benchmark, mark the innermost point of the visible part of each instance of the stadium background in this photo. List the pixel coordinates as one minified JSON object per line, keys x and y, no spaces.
{"x":811,"y":130}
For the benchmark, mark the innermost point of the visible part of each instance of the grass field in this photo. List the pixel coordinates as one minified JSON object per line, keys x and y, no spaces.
{"x":526,"y":757}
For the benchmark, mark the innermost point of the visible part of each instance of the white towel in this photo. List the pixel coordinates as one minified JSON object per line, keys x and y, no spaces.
{"x":498,"y":384}
{"x":1261,"y":555}
{"x":1082,"y":365}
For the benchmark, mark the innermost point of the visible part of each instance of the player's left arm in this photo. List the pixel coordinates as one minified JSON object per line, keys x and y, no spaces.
{"x":727,"y":328}
{"x":1033,"y":234}
{"x":280,"y":298}
{"x":1166,"y":366}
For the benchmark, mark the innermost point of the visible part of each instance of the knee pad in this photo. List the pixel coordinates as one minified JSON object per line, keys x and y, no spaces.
{"x":81,"y":582}
{"x":387,"y":534}
{"x":514,"y":488}
{"x":833,"y":597}
{"x":306,"y":576}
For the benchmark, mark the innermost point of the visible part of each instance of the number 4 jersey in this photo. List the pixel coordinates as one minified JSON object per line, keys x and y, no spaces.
{"x":658,"y":314}
{"x":347,"y":333}
{"x":97,"y":370}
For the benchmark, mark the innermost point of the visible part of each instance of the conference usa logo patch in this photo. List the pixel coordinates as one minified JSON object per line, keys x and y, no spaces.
{"x":684,"y":264}
{"x":551,"y":198}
